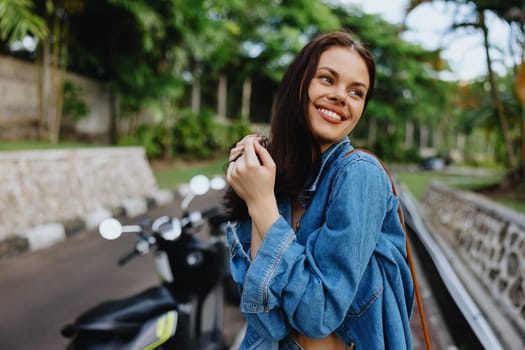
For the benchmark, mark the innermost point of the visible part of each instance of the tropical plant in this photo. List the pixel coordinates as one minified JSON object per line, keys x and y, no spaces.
{"x":18,"y":20}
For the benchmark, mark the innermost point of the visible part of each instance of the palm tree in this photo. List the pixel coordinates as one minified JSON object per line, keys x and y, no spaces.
{"x":17,"y":20}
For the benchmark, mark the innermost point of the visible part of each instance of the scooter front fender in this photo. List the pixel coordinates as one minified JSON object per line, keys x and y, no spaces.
{"x":156,"y":332}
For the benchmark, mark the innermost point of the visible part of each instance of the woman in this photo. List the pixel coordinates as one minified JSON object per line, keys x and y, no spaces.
{"x":318,"y":249}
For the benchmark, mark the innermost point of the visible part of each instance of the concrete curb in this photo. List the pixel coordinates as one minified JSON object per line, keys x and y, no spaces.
{"x":49,"y":234}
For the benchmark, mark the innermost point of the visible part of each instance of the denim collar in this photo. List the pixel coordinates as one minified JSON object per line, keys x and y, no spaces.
{"x":326,"y":158}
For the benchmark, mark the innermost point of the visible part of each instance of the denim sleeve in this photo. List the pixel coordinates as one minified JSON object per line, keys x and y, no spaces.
{"x":310,"y":288}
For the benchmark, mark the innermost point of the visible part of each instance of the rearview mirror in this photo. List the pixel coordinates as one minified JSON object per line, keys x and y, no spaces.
{"x":110,"y":229}
{"x":218,"y":183}
{"x":199,"y":185}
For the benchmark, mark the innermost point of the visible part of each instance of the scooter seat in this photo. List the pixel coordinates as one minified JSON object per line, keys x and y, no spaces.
{"x":124,"y":315}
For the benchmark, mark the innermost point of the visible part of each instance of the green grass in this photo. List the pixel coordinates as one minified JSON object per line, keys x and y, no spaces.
{"x":516,"y":205}
{"x":170,"y":176}
{"x":417,"y":182}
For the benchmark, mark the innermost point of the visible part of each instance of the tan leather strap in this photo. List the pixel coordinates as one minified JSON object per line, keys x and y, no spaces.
{"x":409,"y":253}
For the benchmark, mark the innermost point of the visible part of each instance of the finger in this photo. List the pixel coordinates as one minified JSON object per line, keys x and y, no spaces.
{"x":235,"y":156}
{"x":233,"y":175}
{"x":249,"y":153}
{"x":236,"y":152}
{"x":242,"y":141}
{"x":263,"y":155}
{"x":229,"y":172}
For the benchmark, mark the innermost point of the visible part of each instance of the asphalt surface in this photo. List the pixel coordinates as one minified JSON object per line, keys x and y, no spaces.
{"x":43,"y":290}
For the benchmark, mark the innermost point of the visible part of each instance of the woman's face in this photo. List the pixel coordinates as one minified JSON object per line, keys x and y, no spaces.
{"x":337,"y":95}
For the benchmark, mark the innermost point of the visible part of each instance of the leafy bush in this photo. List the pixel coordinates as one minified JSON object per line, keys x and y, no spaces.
{"x":150,"y":137}
{"x":194,"y":136}
{"x":73,"y":104}
{"x":390,"y":148}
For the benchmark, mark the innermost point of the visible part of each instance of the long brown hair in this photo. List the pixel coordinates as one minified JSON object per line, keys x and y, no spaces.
{"x":292,"y":145}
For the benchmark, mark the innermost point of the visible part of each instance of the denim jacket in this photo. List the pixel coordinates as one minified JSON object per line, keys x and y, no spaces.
{"x":345,"y":270}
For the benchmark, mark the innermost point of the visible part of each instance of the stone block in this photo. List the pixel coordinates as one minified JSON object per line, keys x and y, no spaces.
{"x":95,"y":217}
{"x":44,"y":236}
{"x":134,"y":206}
{"x":162,"y":197}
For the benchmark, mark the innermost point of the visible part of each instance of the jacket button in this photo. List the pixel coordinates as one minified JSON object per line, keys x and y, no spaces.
{"x":351,"y":346}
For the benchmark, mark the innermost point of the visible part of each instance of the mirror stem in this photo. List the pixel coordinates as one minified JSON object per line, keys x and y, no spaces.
{"x":186,"y":201}
{"x":131,"y":228}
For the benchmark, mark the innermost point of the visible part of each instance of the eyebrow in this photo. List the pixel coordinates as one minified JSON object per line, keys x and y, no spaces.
{"x":336,"y":74}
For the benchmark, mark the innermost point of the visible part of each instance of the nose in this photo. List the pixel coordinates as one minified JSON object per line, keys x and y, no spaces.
{"x":337,"y":97}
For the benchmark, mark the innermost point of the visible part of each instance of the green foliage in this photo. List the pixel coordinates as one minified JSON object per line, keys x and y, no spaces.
{"x":150,"y":52}
{"x":233,"y":133}
{"x":390,"y":148}
{"x":150,"y":137}
{"x":73,"y":104}
{"x":201,"y":136}
{"x":17,"y":20}
{"x":192,"y":135}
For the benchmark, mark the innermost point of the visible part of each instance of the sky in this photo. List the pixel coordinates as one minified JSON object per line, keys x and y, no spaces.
{"x":427,"y":26}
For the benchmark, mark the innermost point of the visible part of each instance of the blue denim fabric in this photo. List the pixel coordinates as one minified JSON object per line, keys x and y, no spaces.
{"x":289,"y":343}
{"x":345,"y":270}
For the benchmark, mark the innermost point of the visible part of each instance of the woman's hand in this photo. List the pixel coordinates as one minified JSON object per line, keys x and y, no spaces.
{"x":251,"y":170}
{"x":251,"y":174}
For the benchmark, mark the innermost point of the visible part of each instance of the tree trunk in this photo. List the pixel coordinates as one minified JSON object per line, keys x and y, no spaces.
{"x":62,"y":65}
{"x":196,"y":93}
{"x":222,"y":97}
{"x":436,"y":139}
{"x":114,"y":115}
{"x":409,"y":135}
{"x":495,"y":96}
{"x":423,"y":137}
{"x":520,"y":92}
{"x":43,"y":88}
{"x":246,"y":97}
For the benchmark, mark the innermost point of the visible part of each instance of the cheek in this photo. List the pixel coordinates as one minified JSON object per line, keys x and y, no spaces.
{"x":310,"y":111}
{"x":358,"y":109}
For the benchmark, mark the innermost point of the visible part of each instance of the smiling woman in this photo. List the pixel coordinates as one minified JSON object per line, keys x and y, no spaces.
{"x":337,"y":95}
{"x":318,"y":248}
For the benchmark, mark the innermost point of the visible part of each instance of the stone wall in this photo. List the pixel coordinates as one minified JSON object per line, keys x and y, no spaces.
{"x":57,"y":187}
{"x":488,"y":238}
{"x":19,"y":109}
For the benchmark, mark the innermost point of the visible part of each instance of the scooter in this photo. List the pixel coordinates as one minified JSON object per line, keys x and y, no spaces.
{"x":186,"y":310}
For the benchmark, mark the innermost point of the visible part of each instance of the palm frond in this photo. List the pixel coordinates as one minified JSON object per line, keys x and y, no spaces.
{"x":17,"y":21}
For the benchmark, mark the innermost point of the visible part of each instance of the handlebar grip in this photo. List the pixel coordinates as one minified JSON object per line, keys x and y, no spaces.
{"x":127,"y":257}
{"x":217,"y":217}
{"x":210,"y":212}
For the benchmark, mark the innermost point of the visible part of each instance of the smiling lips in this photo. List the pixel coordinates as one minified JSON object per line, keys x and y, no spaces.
{"x":330,"y":115}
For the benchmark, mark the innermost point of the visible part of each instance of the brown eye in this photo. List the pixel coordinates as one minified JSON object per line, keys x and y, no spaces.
{"x":326,"y":79}
{"x":356,"y":92}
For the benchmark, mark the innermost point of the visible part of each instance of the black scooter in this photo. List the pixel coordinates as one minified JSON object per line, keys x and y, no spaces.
{"x":185,"y":311}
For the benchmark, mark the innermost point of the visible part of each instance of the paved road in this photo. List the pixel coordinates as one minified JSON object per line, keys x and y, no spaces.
{"x":43,"y":290}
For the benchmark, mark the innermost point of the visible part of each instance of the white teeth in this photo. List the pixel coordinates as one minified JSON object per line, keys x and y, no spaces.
{"x":330,"y":114}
